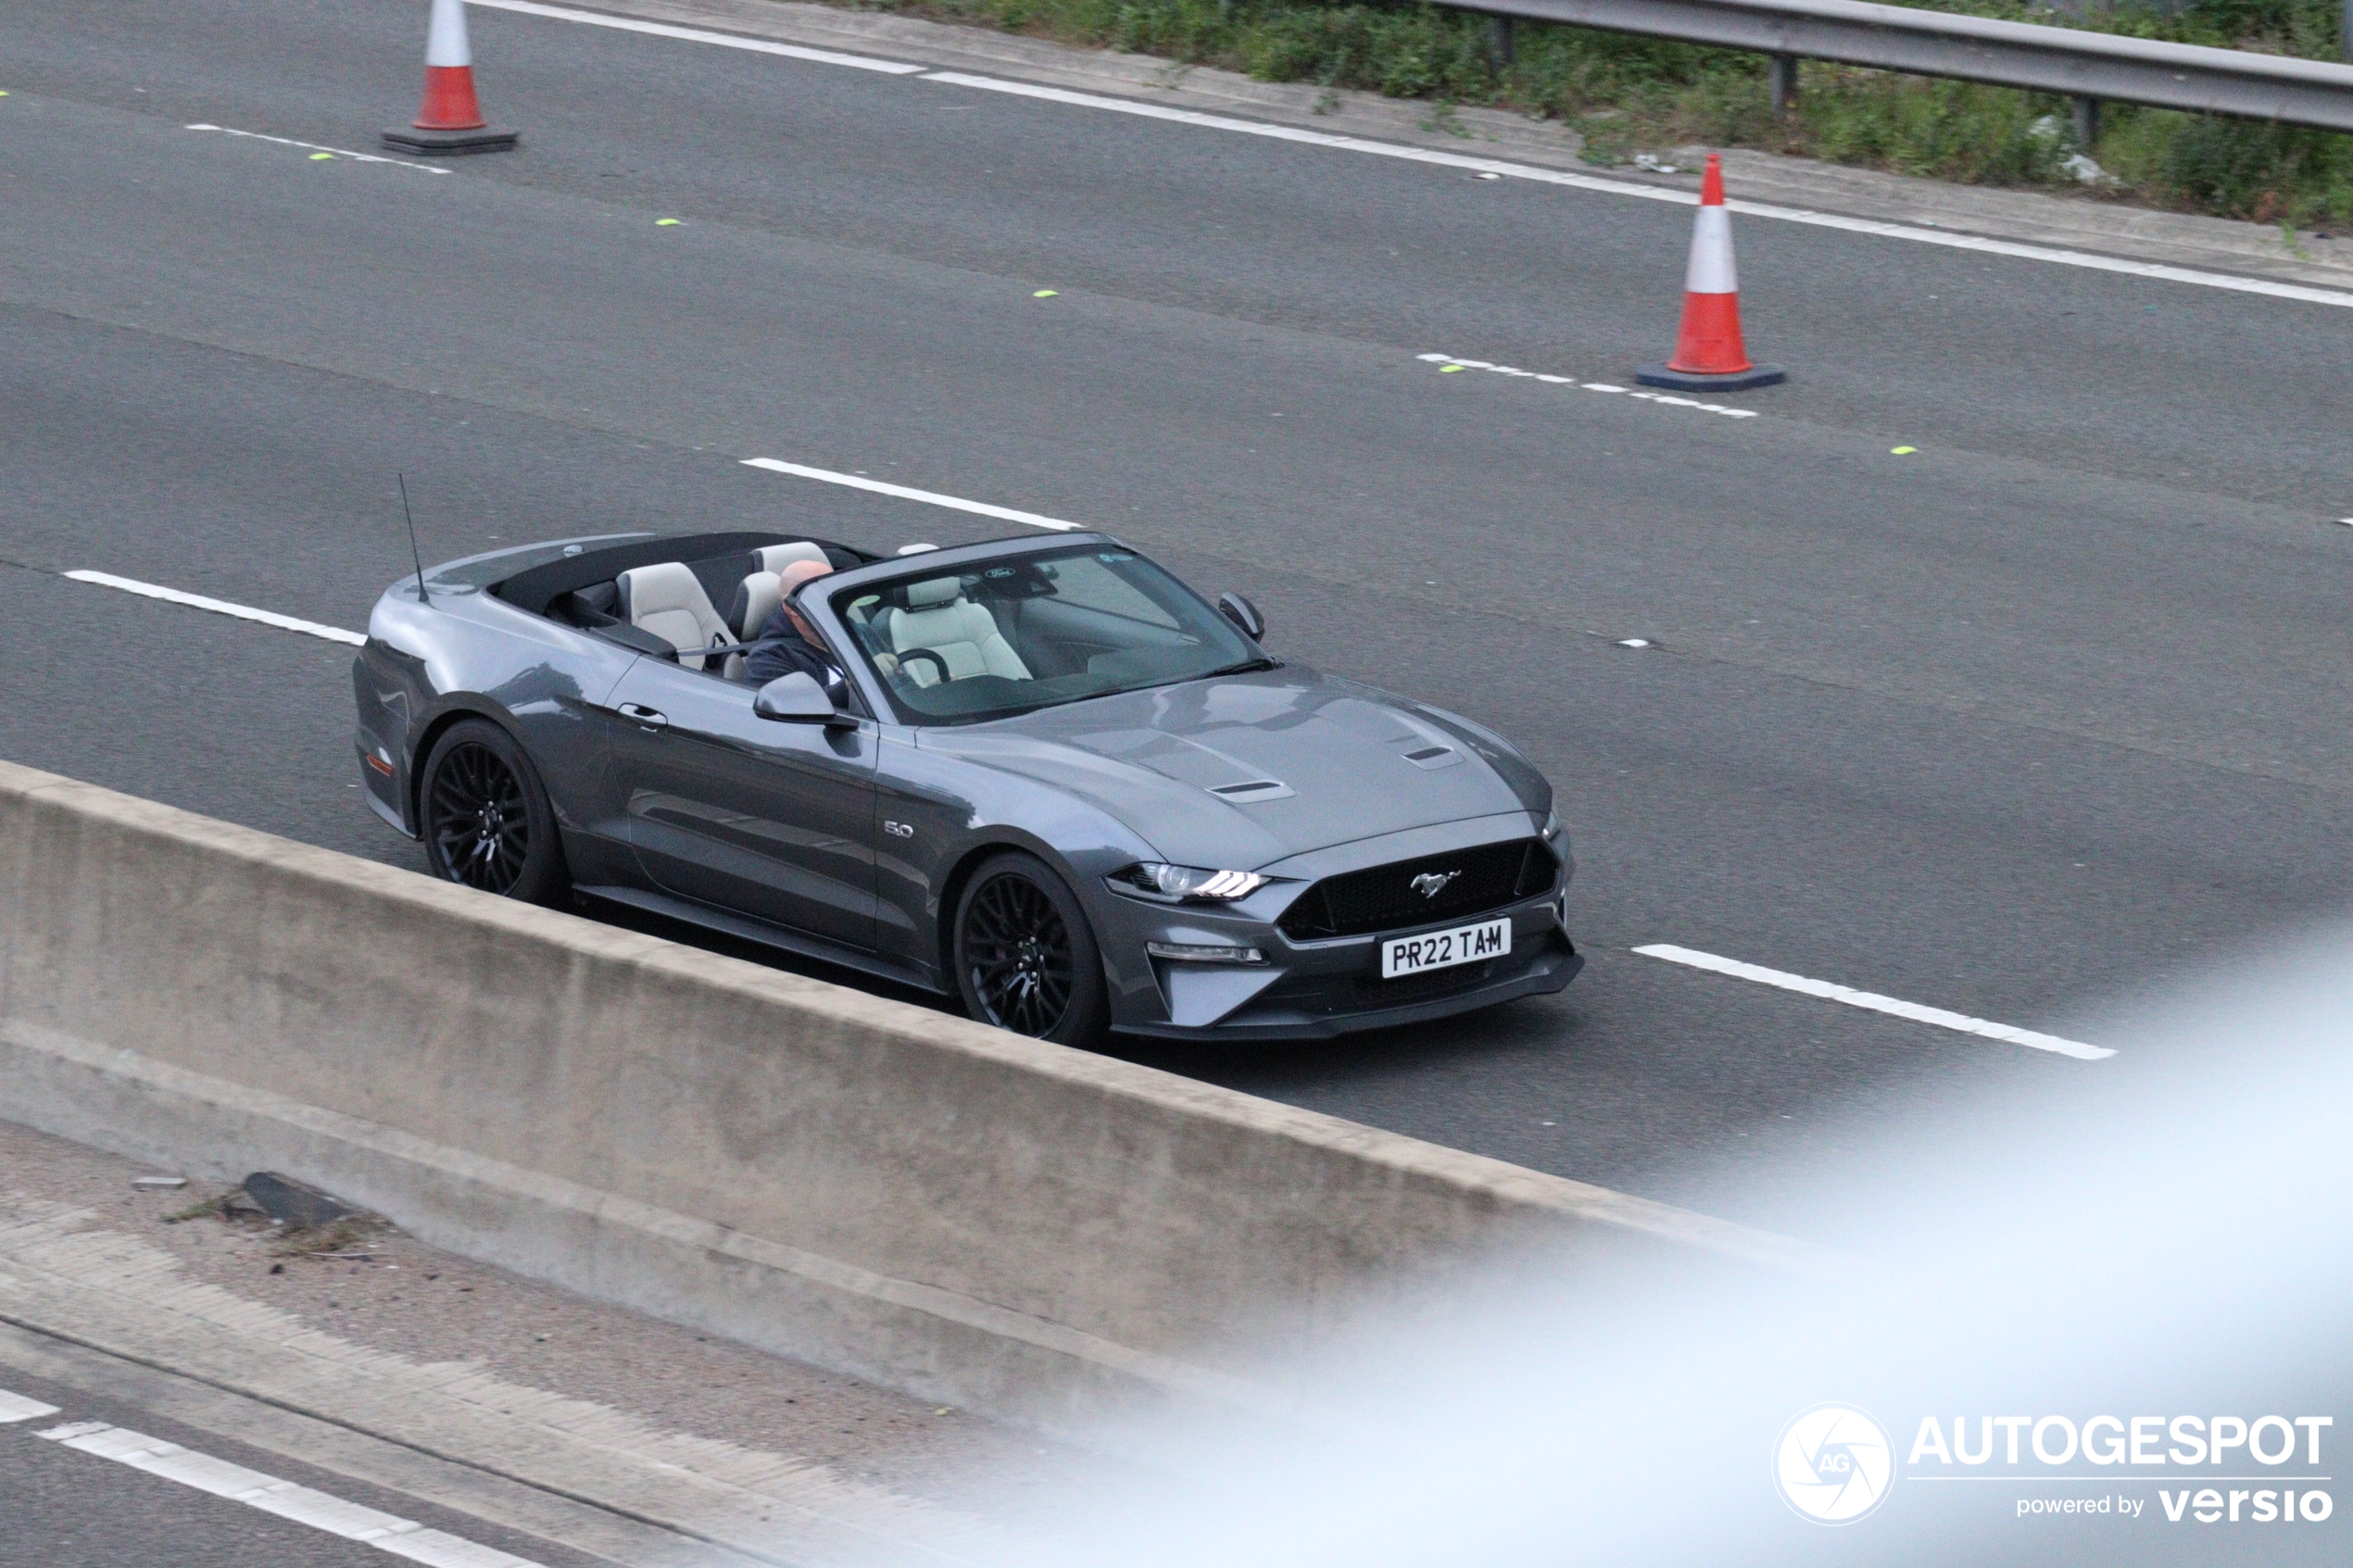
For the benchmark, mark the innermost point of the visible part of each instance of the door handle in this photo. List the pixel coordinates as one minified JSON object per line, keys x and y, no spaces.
{"x":643,"y":717}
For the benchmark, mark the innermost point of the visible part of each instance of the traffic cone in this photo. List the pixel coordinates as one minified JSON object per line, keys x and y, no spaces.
{"x":450,"y":121}
{"x":1709,"y":355}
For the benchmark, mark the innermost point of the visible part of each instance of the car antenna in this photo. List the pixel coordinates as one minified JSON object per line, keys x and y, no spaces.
{"x":414,"y":554}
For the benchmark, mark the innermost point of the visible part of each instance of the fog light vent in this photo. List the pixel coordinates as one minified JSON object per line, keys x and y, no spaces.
{"x":1199,"y":952}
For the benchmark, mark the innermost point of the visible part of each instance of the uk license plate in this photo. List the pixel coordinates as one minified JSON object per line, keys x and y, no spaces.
{"x":1444,"y":949}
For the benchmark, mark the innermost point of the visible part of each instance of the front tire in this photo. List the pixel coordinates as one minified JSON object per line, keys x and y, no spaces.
{"x":1025,"y":958}
{"x":487,"y":822}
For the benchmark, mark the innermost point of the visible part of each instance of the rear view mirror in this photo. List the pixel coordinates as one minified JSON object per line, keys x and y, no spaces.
{"x":1243,"y":614}
{"x":797,"y":699}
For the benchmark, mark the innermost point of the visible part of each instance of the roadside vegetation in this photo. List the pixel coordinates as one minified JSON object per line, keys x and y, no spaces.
{"x":1628,"y":95}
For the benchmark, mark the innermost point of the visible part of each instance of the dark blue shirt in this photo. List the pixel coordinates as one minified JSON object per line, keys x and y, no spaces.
{"x":782,"y":649}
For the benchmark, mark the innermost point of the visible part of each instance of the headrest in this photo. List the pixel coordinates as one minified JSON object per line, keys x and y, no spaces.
{"x":649,"y":590}
{"x":934,"y":591}
{"x":755,"y":601}
{"x":772,"y":557}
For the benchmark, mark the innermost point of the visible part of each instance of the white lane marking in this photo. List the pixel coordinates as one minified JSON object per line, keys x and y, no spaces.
{"x":1496,"y":167}
{"x":956,"y":503}
{"x":316,"y":147}
{"x":1852,"y":998}
{"x":303,"y":1505}
{"x":2157,"y":270}
{"x":1662,"y":398}
{"x":220,"y":607}
{"x":1654,"y":192}
{"x":1313,"y":138}
{"x":697,"y":35}
{"x":16,"y":1407}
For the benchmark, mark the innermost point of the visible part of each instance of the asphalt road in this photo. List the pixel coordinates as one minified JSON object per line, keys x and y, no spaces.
{"x":2051,"y":707}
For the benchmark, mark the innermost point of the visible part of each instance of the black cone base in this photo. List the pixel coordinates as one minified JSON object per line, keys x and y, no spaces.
{"x":1684,"y":381}
{"x":448,"y":143}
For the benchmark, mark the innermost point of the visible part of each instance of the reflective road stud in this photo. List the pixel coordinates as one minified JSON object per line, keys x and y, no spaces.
{"x":450,"y":121}
{"x":1709,"y":355}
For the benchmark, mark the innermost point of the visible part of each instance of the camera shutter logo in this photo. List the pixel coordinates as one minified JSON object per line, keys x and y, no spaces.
{"x":1834,"y":1464}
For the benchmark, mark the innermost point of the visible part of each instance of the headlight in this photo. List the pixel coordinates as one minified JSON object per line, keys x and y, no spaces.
{"x":1178,"y":885}
{"x":1554,"y":827}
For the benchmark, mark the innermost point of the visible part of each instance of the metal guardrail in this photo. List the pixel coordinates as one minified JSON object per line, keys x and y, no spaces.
{"x":2087,"y":67}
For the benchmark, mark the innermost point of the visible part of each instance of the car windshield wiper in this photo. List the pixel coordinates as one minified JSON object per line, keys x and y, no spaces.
{"x":1262,"y":662}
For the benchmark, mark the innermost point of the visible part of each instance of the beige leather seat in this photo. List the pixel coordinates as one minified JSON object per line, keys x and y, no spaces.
{"x":764,"y":591}
{"x":962,"y":634}
{"x":668,"y":600}
{"x":757,"y":599}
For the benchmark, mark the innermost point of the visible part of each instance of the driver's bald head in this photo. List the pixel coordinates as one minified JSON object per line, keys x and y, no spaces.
{"x":788,"y":583}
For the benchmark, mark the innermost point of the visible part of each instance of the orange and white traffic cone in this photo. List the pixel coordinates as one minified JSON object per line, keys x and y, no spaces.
{"x":450,"y":121}
{"x":1708,"y":353}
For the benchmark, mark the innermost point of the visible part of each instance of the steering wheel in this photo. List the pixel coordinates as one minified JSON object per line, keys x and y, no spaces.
{"x":906,"y":653}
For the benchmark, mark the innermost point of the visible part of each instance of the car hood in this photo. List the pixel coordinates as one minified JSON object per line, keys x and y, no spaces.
{"x":1245,"y":770}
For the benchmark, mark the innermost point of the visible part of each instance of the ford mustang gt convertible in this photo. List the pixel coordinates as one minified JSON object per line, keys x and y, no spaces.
{"x":1042,"y":776}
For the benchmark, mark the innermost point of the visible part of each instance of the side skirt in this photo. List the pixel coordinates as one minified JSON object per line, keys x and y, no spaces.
{"x":795,"y":942}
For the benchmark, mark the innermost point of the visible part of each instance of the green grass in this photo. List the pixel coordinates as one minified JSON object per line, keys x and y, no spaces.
{"x":1626,"y":94}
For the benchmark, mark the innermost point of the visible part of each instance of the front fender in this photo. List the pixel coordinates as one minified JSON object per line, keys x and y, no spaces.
{"x":937,"y":815}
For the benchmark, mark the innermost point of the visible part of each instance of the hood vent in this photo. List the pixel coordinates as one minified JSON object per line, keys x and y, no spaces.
{"x":1253,"y":790}
{"x":1434,"y":756}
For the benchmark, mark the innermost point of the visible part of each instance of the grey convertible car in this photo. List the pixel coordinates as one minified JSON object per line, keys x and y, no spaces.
{"x":1043,"y":776}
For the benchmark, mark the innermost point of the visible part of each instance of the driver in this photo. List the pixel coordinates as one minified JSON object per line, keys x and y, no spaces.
{"x":786,"y":641}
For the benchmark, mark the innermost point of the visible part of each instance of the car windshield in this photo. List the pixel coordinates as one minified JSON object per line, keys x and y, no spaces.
{"x":1012,"y":634}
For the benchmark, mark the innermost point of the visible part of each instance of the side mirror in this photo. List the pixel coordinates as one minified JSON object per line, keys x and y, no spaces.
{"x":798,"y":699}
{"x":1243,"y":614}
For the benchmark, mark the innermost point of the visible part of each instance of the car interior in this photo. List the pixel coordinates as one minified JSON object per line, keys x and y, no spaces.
{"x":1002,"y":636}
{"x":675,"y":599}
{"x":1027,"y":632}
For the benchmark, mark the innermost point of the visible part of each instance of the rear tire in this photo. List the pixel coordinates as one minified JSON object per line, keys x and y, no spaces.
{"x":1025,"y":957}
{"x":487,"y":820}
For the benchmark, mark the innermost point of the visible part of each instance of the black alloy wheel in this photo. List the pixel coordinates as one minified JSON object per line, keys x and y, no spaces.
{"x":1025,"y":960}
{"x":487,"y":823}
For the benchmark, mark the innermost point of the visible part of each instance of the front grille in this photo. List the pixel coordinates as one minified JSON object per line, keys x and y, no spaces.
{"x":1383,"y":898}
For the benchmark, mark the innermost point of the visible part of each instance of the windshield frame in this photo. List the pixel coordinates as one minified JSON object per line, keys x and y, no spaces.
{"x":826,"y":600}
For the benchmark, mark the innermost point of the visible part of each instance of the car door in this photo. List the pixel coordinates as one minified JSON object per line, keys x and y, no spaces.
{"x":766,"y":818}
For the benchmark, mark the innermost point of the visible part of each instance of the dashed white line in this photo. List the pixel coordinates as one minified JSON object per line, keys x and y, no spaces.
{"x":1828,"y":992}
{"x":303,"y":1505}
{"x":1646,"y":396}
{"x":220,"y":607}
{"x":316,"y":147}
{"x":16,"y":1407}
{"x":929,"y":497}
{"x":697,"y":35}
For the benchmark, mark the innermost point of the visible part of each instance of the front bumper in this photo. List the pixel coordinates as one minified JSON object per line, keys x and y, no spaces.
{"x":383,"y":695}
{"x":1318,"y":990}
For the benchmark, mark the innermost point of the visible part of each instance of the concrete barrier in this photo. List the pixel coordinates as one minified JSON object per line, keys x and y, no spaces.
{"x":1042,"y":1233}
